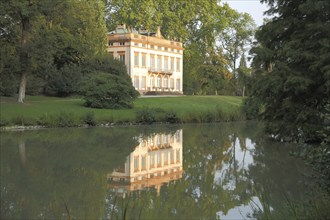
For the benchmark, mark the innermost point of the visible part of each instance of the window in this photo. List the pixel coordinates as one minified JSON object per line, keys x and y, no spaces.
{"x":166,"y":63}
{"x":136,"y":59}
{"x":166,"y":82}
{"x":172,"y":83}
{"x":159,"y":63}
{"x":159,"y":158}
{"x":122,"y":43}
{"x":110,"y":43}
{"x":136,"y":163}
{"x":159,"y":80}
{"x":152,"y":160}
{"x":172,"y":63}
{"x":144,"y":60}
{"x":178,"y":86}
{"x":172,"y":156}
{"x":165,"y":139}
{"x":152,"y":61}
{"x":159,"y":137}
{"x":136,"y":44}
{"x":143,"y":162}
{"x":143,"y":82}
{"x":165,"y":158}
{"x":136,"y":82}
{"x":152,"y":82}
{"x":143,"y":45}
{"x":152,"y":46}
{"x":122,"y":57}
{"x":178,"y":65}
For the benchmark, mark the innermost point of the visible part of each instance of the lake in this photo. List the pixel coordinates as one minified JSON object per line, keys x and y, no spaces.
{"x":198,"y":171}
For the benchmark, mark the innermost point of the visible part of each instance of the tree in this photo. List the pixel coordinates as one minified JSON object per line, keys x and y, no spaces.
{"x":243,"y":74}
{"x":48,"y":33}
{"x":293,"y":64}
{"x":236,"y":37}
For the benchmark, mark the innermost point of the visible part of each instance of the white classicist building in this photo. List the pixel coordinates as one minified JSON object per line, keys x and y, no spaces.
{"x":154,"y":63}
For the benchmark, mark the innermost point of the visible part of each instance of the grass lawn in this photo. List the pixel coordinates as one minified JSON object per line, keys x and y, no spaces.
{"x":36,"y":107}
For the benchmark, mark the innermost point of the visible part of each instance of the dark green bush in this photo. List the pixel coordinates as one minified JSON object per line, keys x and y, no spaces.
{"x":63,"y":82}
{"x":171,"y":117}
{"x":104,"y":90}
{"x":22,"y":120}
{"x":146,"y":115}
{"x":61,"y":119}
{"x":89,"y":118}
{"x":8,"y":84}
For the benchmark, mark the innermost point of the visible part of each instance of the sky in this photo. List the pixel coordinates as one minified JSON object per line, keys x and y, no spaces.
{"x":253,"y":7}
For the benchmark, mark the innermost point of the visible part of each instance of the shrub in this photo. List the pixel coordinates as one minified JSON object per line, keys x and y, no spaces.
{"x":63,"y":82}
{"x":8,"y":84}
{"x":4,"y":122}
{"x":104,"y":90}
{"x":89,"y":118}
{"x":61,"y":119}
{"x":171,"y":117}
{"x":146,"y":115}
{"x":22,"y":120}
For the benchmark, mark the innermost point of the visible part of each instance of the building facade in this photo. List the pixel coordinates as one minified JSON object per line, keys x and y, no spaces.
{"x":153,"y":63}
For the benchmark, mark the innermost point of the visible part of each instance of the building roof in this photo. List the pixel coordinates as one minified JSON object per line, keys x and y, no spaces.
{"x":123,"y":29}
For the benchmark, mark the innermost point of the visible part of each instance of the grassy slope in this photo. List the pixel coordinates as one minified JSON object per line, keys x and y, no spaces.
{"x":37,"y":106}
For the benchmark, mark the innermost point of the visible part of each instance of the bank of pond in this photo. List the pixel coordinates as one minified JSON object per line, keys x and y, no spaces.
{"x":54,"y":112}
{"x":173,"y":171}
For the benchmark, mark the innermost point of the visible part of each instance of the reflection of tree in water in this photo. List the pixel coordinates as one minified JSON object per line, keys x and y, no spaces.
{"x":54,"y":173}
{"x":226,"y":167}
{"x":275,"y":174}
{"x":208,"y":151}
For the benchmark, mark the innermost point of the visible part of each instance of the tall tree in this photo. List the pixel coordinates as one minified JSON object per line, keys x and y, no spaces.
{"x":293,"y":61}
{"x":243,"y":74}
{"x":236,"y":38}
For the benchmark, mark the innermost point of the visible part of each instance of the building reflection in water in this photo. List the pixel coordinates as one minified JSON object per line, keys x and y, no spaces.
{"x":157,"y":160}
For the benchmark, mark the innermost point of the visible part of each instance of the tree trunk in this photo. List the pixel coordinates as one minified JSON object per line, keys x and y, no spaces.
{"x":243,"y":91}
{"x":24,"y":56}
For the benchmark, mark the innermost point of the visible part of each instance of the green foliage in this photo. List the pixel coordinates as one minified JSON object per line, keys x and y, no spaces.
{"x":172,"y":117}
{"x":103,"y":90}
{"x":60,"y":119}
{"x":89,"y":118}
{"x":63,"y":82}
{"x":8,"y":84}
{"x":42,"y":37}
{"x":292,"y":80}
{"x":22,"y":120}
{"x":35,"y":85}
{"x":146,"y":115}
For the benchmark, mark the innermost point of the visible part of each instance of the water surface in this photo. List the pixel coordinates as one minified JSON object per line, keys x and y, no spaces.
{"x":214,"y":171}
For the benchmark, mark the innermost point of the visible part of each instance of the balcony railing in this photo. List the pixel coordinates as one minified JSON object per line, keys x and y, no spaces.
{"x":160,"y":71}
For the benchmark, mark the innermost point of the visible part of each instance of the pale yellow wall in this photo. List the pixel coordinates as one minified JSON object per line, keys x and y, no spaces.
{"x":148,"y":45}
